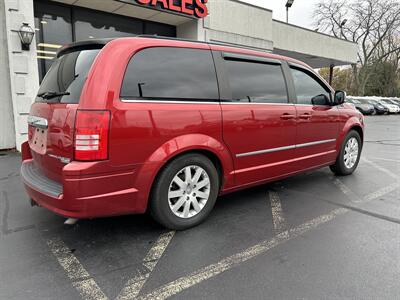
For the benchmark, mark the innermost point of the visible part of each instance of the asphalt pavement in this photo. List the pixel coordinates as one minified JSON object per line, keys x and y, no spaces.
{"x":312,"y":236}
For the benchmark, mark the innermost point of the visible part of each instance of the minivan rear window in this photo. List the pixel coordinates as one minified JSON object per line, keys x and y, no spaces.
{"x":66,"y":77}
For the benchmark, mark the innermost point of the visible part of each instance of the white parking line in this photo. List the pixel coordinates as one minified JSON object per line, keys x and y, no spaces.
{"x":277,"y":214}
{"x":87,"y":286}
{"x":134,"y":285}
{"x":346,"y":190}
{"x":386,"y":171}
{"x":81,"y":279}
{"x":228,"y":263}
{"x":382,"y":191}
{"x":387,"y":159}
{"x":210,"y":271}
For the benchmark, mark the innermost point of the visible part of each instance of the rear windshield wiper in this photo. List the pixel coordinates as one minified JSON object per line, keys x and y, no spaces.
{"x":50,"y":95}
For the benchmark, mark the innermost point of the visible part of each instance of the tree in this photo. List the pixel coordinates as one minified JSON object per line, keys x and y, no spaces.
{"x":373,"y":24}
{"x":384,"y":79}
{"x":342,"y":78}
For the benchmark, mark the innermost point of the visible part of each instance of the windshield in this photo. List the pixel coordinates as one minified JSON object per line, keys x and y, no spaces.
{"x":64,"y":81}
{"x":356,"y":101}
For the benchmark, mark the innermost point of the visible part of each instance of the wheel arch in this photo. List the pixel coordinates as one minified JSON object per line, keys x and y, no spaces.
{"x":211,"y":148}
{"x":359,"y":130}
{"x":353,"y":123}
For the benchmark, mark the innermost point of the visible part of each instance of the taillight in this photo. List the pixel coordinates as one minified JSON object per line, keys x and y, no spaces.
{"x":91,"y":134}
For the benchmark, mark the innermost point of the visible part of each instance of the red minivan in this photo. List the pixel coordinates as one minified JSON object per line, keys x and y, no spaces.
{"x":125,"y":125}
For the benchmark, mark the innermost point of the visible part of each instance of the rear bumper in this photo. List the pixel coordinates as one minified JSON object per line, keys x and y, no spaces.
{"x":87,"y":196}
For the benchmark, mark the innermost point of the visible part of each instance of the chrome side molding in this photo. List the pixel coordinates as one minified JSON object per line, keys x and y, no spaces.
{"x":285,"y":148}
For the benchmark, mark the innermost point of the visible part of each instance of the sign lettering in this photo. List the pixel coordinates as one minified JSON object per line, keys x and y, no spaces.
{"x":195,"y":8}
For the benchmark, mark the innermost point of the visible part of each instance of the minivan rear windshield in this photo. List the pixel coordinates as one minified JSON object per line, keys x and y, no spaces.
{"x":64,"y":81}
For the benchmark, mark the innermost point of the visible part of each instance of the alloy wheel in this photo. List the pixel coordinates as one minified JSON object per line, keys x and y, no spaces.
{"x":351,"y":153}
{"x":189,"y":191}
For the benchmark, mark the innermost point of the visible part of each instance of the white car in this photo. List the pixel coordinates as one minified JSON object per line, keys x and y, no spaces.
{"x":393,"y":109}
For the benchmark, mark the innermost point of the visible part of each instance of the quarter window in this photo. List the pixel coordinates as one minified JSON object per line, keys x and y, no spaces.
{"x":171,"y":73}
{"x":256,"y":82}
{"x":308,"y":90}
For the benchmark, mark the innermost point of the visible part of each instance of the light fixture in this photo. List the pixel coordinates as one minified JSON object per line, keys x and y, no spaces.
{"x":26,"y":34}
{"x":288,"y":5}
{"x":341,"y":28}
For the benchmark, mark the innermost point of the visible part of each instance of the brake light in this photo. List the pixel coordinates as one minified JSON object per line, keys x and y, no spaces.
{"x":91,"y":135}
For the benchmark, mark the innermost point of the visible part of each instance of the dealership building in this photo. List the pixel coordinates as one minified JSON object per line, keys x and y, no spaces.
{"x":59,"y":22}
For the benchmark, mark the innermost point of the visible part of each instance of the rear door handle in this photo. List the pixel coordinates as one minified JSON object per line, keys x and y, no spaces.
{"x":305,"y":116}
{"x":287,"y":116}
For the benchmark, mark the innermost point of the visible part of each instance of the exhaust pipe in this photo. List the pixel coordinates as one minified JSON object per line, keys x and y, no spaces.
{"x":71,"y":221}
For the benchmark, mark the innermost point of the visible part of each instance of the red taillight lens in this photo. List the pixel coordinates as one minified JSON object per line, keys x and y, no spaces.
{"x":91,"y":134}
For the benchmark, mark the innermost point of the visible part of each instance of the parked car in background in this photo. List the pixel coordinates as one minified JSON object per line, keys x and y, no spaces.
{"x":168,"y":125}
{"x":393,"y":108}
{"x":390,"y":101}
{"x":364,"y":108}
{"x":396,"y":100}
{"x":379,"y":108}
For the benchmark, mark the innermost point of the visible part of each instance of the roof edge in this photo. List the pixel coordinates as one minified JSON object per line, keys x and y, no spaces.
{"x":317,"y":32}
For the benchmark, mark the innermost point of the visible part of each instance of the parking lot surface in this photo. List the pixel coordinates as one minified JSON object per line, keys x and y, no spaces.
{"x":313,"y":236}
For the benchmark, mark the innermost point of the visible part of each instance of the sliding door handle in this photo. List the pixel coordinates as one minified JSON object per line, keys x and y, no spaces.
{"x":305,"y":116}
{"x":287,"y":116}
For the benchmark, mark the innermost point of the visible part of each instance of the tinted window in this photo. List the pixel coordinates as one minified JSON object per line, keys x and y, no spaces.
{"x":68,"y":74}
{"x":307,"y":87}
{"x":174,"y":73}
{"x":256,"y":82}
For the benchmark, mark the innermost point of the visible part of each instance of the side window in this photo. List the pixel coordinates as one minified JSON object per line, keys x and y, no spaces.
{"x":309,"y":90}
{"x":256,"y":82}
{"x":171,"y":73}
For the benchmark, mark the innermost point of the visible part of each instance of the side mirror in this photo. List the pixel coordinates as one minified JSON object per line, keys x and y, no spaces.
{"x":340,"y":97}
{"x":320,"y":100}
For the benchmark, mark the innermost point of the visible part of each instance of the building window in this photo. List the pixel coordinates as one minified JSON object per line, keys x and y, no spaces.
{"x":53,"y":25}
{"x":88,"y":25}
{"x":171,"y":73}
{"x":60,"y":24}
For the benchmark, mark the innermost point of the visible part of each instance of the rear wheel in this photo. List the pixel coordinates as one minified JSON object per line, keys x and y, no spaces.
{"x":349,"y":156}
{"x":185,"y":192}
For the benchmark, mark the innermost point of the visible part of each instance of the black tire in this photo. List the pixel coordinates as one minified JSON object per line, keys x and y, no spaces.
{"x":339,"y":168}
{"x":159,"y":203}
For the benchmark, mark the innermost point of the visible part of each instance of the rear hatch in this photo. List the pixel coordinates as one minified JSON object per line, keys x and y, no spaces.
{"x":52,"y":116}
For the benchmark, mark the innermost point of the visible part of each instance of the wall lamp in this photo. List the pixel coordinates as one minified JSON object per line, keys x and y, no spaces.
{"x":26,"y":34}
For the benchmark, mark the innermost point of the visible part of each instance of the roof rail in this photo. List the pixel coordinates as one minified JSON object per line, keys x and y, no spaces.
{"x":99,"y":43}
{"x":155,"y":36}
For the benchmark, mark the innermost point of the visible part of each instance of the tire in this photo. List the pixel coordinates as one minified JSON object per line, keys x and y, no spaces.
{"x":343,"y":167}
{"x":190,"y":208}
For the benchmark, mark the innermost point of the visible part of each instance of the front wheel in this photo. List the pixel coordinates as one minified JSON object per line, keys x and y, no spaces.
{"x":349,"y":156}
{"x":185,"y":192}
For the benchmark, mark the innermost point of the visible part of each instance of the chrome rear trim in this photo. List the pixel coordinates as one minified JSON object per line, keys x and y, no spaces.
{"x":38,"y":122}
